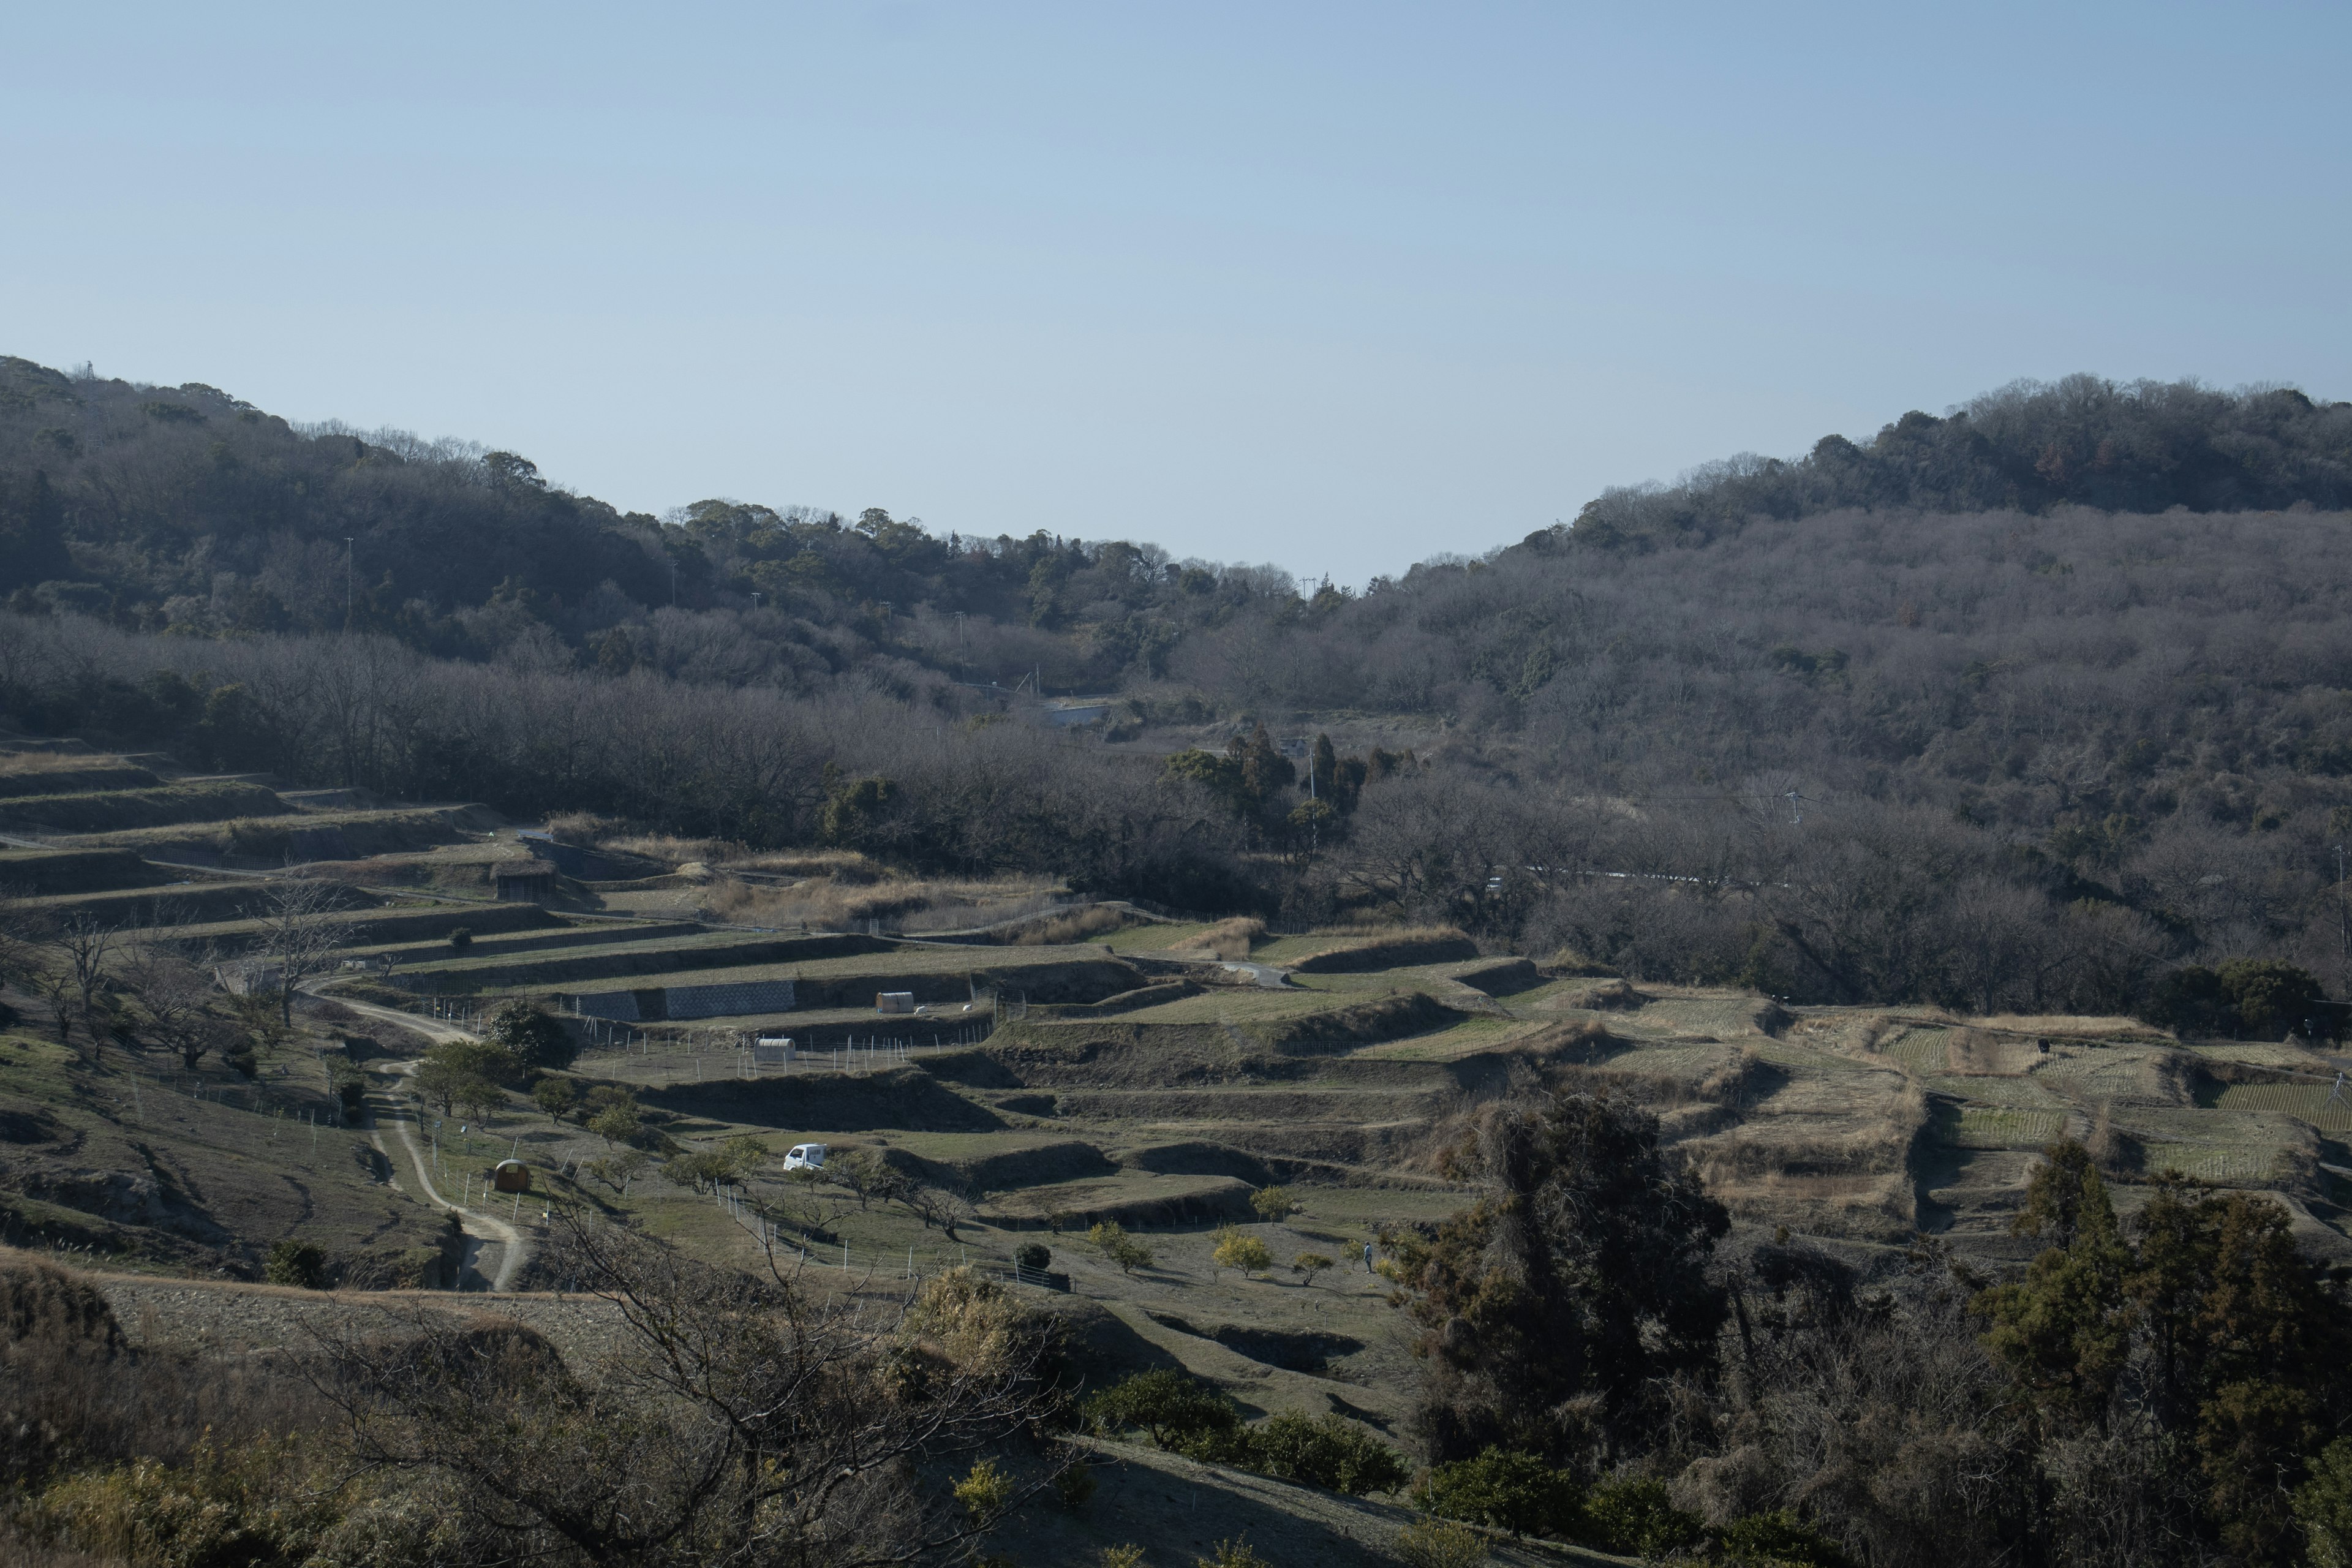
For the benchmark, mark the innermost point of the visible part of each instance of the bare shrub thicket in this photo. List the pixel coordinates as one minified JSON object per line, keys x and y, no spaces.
{"x":77,"y":1390}
{"x":743,"y":1420}
{"x":734,"y":1420}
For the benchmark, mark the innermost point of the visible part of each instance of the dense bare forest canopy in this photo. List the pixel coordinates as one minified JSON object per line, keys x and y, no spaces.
{"x":2047,"y":703}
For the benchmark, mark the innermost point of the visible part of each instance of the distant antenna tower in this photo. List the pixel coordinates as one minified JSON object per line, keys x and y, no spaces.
{"x":1797,"y":804}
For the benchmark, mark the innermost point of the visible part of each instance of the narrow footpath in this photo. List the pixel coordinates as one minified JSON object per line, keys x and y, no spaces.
{"x":513,"y":1246}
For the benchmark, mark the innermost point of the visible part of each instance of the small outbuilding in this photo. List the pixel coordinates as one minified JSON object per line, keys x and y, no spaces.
{"x":523,"y":881}
{"x":894,"y":1001}
{"x":511,"y":1176}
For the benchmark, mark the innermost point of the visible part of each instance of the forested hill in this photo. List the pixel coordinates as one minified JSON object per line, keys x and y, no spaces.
{"x":2083,"y":441}
{"x":1801,"y":749}
{"x":185,"y":509}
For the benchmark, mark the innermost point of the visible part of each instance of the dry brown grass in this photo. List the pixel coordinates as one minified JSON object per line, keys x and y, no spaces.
{"x":1077,"y":925}
{"x":74,"y":1390}
{"x":1604,"y":997}
{"x":1770,"y":1147}
{"x":50,"y":762}
{"x":1568,"y":964}
{"x":901,"y":903}
{"x":1227,"y":941}
{"x":1975,"y":1052}
{"x":29,"y":1552}
{"x":2070,"y":1027}
{"x":583,"y":827}
{"x":841,"y":865}
{"x":1390,"y":933}
{"x":672,"y":850}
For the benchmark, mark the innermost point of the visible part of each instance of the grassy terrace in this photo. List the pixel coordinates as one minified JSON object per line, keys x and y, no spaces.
{"x":103,"y":811}
{"x":902,"y":963}
{"x":621,"y":954}
{"x":367,"y":832}
{"x":407,"y":921}
{"x":1151,"y":937}
{"x":175,"y":1160}
{"x":564,"y":934}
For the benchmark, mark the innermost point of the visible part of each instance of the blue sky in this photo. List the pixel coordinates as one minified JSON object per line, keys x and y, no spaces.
{"x":1333,"y":287}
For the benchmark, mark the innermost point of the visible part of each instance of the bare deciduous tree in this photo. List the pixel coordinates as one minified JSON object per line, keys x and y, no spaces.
{"x":741,"y":1421}
{"x":303,"y":932}
{"x":84,"y":942}
{"x":178,"y":998}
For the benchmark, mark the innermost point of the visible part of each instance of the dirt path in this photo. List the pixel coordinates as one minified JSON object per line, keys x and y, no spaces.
{"x":514,"y":1247}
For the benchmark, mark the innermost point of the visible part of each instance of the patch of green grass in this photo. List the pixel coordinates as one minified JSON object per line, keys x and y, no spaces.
{"x":2225,"y":1165}
{"x":251,"y":1167}
{"x":1535,"y":995}
{"x":1805,"y":1059}
{"x":1991,"y":1127}
{"x":1150,"y":937}
{"x":1478,"y":1032}
{"x":1921,"y":1051}
{"x":367,"y":832}
{"x":1237,"y":1003}
{"x":2009,"y":1093}
{"x":2309,"y":1102}
{"x":952,"y":962}
{"x":101,"y":811}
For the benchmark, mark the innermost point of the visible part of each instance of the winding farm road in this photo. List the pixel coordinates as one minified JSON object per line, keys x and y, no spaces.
{"x":514,"y":1247}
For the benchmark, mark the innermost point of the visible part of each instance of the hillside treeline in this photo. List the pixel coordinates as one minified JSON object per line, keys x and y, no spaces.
{"x":2146,"y":446}
{"x":187,"y":509}
{"x":1772,"y":881}
{"x":2039,"y":755}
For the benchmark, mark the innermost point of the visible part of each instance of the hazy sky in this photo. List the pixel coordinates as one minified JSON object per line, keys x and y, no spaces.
{"x":1335,"y":287}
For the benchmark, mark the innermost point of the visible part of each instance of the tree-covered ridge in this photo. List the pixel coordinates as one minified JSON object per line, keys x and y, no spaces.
{"x":189,"y":511}
{"x":2143,"y":446}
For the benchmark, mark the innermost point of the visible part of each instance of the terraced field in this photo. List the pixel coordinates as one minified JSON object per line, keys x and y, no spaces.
{"x":1041,"y":1091}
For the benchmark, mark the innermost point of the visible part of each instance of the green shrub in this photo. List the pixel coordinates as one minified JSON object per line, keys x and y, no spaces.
{"x":555,"y":1096}
{"x":536,"y":1037}
{"x":2323,"y":1504}
{"x":2246,"y":997}
{"x":1507,"y":1491}
{"x":1440,"y":1543}
{"x":1633,"y":1519}
{"x":460,"y":939}
{"x":1033,"y":1255}
{"x":1782,"y":1538}
{"x":1176,"y":1409}
{"x":1239,"y":1249}
{"x":296,"y":1263}
{"x":985,"y":1492}
{"x":1323,"y":1451}
{"x":1122,"y":1249}
{"x":1074,"y":1485}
